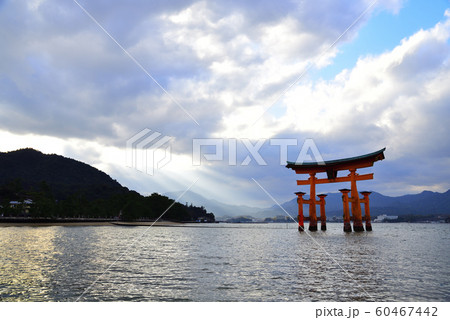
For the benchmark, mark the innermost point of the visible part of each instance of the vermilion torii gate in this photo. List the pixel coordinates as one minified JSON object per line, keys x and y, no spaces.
{"x":331,"y":168}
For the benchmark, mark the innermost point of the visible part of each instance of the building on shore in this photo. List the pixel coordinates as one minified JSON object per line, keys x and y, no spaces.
{"x":384,"y":217}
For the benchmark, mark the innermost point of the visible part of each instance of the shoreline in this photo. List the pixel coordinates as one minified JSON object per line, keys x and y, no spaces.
{"x":55,"y":223}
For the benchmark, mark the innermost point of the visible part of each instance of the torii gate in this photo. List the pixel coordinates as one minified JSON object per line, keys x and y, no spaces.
{"x":331,"y":168}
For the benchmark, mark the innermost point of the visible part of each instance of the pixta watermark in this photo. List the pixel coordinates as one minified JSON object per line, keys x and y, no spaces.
{"x":149,"y":151}
{"x":214,"y":150}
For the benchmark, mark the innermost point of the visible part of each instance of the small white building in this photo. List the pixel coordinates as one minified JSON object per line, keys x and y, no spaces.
{"x":14,"y":204}
{"x":25,"y":206}
{"x":384,"y":217}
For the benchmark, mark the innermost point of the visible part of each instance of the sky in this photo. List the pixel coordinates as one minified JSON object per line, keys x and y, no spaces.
{"x":214,"y":96}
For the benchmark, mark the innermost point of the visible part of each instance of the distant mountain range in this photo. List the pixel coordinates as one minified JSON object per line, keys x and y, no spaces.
{"x":218,"y":208}
{"x":424,"y":203}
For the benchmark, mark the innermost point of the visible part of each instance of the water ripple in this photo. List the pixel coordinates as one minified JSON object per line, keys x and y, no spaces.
{"x":395,"y":262}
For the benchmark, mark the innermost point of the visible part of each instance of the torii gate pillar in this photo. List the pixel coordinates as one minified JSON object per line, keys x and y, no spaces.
{"x":312,"y":203}
{"x":356,"y":204}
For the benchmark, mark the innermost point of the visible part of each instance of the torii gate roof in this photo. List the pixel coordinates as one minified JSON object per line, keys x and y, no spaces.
{"x":332,"y":166}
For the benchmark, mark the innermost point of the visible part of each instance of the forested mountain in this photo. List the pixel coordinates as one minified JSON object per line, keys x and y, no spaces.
{"x":59,"y":187}
{"x":64,"y":176}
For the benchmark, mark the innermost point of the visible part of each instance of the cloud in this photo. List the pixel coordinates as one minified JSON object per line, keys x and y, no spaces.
{"x":399,"y":94}
{"x":225,"y":63}
{"x":64,"y":76}
{"x":398,"y":99}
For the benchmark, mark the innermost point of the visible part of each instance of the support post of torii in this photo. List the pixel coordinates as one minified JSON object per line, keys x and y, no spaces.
{"x":367,"y":210}
{"x":323,"y":217}
{"x":301,"y":226}
{"x":346,"y":209}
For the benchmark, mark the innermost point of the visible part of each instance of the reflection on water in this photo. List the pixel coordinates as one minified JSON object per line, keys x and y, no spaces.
{"x":395,"y":262}
{"x":26,"y":263}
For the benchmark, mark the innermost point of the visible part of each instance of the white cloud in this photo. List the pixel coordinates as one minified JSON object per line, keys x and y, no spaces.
{"x":394,"y":92}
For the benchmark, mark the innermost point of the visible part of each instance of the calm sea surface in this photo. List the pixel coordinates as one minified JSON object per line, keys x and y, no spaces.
{"x":225,"y":262}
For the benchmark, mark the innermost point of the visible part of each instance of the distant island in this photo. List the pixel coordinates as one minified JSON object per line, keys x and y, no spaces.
{"x":40,"y":187}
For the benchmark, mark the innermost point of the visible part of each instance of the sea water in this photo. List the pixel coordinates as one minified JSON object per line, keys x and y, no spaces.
{"x":225,"y":262}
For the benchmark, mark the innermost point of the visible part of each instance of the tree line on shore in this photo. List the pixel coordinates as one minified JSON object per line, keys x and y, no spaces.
{"x":50,"y":186}
{"x":127,"y":205}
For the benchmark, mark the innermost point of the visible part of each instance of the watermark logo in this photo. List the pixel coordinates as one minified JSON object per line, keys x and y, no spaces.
{"x":213,"y":150}
{"x":309,"y":148}
{"x":148,"y":151}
